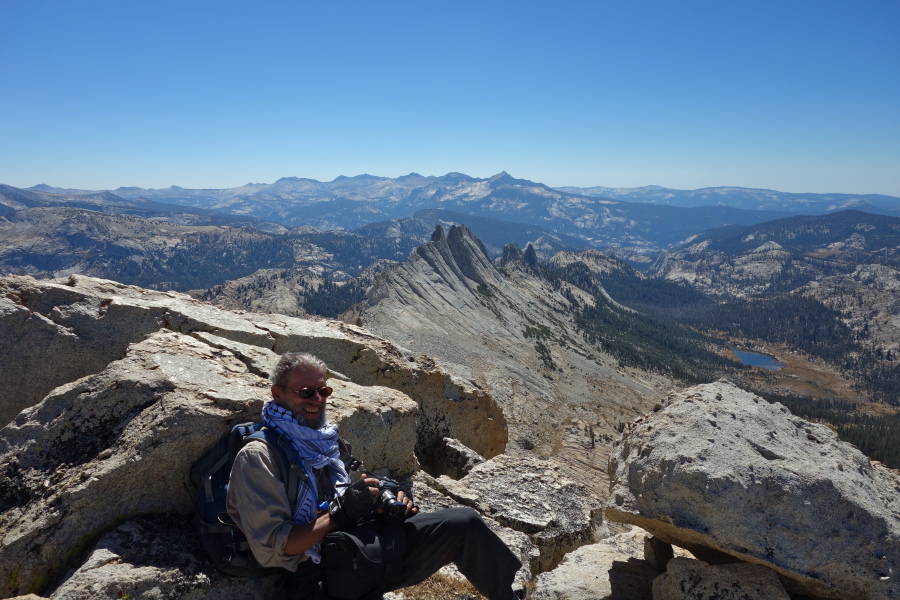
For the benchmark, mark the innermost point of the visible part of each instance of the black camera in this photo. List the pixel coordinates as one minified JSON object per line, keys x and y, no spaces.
{"x":393,"y":510}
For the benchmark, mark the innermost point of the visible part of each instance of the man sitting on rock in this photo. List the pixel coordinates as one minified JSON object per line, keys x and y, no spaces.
{"x":259,"y":505}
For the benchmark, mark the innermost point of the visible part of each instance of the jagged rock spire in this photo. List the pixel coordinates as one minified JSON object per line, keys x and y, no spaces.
{"x":530,"y":257}
{"x":511,"y":253}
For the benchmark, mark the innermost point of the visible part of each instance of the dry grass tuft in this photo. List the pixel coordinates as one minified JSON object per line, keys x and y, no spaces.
{"x":442,"y":587}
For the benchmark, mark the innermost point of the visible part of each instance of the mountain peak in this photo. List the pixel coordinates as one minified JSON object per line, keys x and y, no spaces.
{"x":503,"y":178}
{"x":363,"y":177}
{"x":455,"y":177}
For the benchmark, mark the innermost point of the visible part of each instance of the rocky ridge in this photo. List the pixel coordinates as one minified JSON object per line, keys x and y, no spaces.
{"x":278,"y":291}
{"x":748,"y":199}
{"x":506,"y":329}
{"x":290,"y":291}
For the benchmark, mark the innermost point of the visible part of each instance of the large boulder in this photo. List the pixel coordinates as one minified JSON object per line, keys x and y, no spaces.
{"x":718,"y":471}
{"x":611,"y":569}
{"x":121,"y":443}
{"x":531,"y":496}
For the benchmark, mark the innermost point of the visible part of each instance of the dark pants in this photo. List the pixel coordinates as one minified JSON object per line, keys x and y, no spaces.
{"x":433,"y":540}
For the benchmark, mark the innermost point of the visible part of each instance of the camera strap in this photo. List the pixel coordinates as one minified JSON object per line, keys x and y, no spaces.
{"x":323,"y":485}
{"x":351,"y":462}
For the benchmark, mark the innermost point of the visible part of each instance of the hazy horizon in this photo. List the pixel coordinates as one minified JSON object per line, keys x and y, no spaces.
{"x":263,"y":183}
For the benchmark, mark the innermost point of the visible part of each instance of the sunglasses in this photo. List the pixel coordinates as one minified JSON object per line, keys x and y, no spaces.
{"x":307,"y":393}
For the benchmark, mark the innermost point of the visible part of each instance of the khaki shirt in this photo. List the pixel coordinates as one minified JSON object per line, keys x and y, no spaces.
{"x":258,"y":503}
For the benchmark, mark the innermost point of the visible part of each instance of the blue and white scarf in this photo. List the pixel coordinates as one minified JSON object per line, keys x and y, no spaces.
{"x":319,"y":449}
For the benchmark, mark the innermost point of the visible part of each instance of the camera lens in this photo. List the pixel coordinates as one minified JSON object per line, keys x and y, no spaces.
{"x":394,"y":510}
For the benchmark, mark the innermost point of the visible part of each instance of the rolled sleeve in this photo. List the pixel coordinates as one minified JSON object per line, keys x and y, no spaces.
{"x":258,"y":503}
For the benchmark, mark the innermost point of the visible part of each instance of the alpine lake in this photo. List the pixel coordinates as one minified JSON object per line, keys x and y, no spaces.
{"x":758,"y":360}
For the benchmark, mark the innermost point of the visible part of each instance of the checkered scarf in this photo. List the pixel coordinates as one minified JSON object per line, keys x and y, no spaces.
{"x":319,"y":449}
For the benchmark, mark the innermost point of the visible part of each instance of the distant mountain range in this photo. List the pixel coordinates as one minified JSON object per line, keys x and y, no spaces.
{"x":783,"y":255}
{"x":747,"y":198}
{"x":15,"y":199}
{"x":634,"y":222}
{"x":414,"y":189}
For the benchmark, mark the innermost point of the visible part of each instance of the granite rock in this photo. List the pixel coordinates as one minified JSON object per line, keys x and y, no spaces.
{"x":690,"y":579}
{"x":611,"y":569}
{"x":530,"y":495}
{"x":153,"y":557}
{"x":121,"y":443}
{"x":720,"y":471}
{"x":457,"y":459}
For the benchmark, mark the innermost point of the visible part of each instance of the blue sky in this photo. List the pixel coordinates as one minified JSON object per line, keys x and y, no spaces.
{"x":798,"y":96}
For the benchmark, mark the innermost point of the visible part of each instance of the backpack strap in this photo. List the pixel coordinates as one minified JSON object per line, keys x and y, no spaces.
{"x":233,"y":443}
{"x":289,"y":464}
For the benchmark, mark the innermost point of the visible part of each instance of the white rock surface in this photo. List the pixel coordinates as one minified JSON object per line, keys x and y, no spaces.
{"x":53,"y":332}
{"x":718,"y":469}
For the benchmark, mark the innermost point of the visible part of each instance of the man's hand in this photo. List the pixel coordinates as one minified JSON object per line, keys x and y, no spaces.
{"x":411,"y":509}
{"x":372,"y":484}
{"x":355,"y":504}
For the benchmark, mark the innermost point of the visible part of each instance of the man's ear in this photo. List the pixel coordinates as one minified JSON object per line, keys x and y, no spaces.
{"x":276,"y":392}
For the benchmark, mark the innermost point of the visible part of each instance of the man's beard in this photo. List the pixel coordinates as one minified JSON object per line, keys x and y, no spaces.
{"x":318,"y":422}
